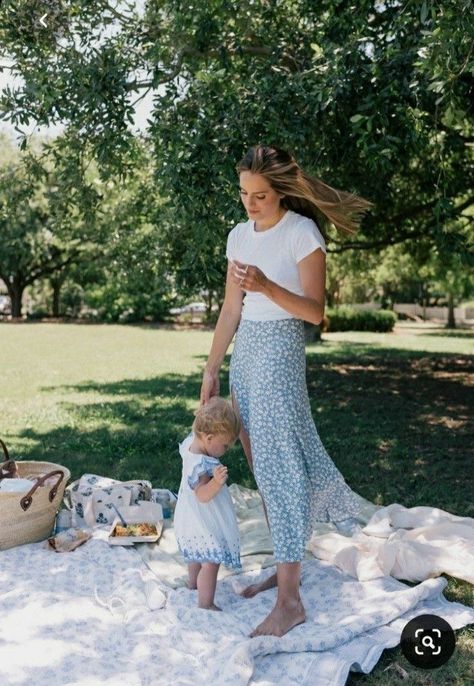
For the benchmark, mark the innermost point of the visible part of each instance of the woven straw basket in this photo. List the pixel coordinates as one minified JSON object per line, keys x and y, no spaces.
{"x":29,"y":517}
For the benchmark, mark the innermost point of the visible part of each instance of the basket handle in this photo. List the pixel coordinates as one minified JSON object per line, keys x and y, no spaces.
{"x":27,"y":499}
{"x":5,"y":450}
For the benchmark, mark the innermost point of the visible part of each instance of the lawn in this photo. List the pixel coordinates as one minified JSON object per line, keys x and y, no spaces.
{"x":392,"y":409}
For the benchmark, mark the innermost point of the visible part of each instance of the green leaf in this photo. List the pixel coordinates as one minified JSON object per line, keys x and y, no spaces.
{"x":356,"y":117}
{"x":436,"y":86}
{"x":423,"y":12}
{"x":318,"y":52}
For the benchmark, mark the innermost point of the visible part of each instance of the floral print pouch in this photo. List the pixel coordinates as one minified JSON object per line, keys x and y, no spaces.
{"x":91,"y":498}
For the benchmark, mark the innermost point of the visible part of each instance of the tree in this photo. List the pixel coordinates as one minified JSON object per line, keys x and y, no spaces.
{"x":45,"y":221}
{"x":372,"y":97}
{"x":131,"y":280}
{"x":451,"y":277}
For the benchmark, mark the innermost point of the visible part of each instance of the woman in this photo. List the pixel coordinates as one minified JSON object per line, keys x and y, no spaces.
{"x":275,"y":282}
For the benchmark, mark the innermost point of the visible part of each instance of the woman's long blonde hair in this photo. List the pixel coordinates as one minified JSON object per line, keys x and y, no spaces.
{"x":303,"y":193}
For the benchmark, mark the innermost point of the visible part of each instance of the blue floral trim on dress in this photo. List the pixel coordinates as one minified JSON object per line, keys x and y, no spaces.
{"x":206,"y":466}
{"x":214,"y":555}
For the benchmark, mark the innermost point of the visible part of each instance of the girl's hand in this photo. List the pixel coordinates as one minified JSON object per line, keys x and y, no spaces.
{"x":220,"y":474}
{"x":209,"y":386}
{"x":249,"y":277}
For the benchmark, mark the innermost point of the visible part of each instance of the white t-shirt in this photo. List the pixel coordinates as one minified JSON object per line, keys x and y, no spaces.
{"x":276,"y":251}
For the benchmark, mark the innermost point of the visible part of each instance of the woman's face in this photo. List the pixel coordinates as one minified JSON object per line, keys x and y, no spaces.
{"x":259,"y":198}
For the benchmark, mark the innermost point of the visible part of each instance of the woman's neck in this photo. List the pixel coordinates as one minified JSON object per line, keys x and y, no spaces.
{"x":271,"y":222}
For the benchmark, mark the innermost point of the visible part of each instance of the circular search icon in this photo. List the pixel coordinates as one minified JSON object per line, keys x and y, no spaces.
{"x":428,"y":641}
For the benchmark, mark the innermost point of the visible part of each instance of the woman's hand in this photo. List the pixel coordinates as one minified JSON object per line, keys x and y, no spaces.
{"x":249,"y":278}
{"x":209,"y":386}
{"x":220,"y":474}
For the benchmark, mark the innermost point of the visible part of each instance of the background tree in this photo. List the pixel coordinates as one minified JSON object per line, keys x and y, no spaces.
{"x":80,"y":230}
{"x":132,"y":279}
{"x":46,"y":220}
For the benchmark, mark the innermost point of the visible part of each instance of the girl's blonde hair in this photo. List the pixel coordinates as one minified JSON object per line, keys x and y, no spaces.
{"x":217,"y":416}
{"x":305,"y":194}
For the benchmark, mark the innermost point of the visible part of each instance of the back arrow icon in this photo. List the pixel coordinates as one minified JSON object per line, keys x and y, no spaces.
{"x":42,"y":18}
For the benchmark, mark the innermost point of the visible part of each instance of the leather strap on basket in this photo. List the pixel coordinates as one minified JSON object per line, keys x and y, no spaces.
{"x":27,"y":499}
{"x":5,"y":450}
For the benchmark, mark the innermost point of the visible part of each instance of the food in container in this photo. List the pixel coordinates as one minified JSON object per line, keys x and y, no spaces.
{"x":144,"y":524}
{"x":142,"y":529}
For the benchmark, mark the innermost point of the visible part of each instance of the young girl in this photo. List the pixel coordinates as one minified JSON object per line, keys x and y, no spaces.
{"x":204,"y":520}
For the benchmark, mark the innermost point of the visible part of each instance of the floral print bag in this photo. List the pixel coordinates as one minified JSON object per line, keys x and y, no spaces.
{"x":91,"y":498}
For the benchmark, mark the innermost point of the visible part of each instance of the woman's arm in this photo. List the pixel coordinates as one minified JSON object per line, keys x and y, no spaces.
{"x":312,"y":271}
{"x":226,"y":326}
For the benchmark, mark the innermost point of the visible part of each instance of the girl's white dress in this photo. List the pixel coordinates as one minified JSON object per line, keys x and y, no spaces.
{"x":205,"y":532}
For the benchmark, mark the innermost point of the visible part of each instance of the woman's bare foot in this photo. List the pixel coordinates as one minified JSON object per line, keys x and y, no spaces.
{"x":281,"y":620}
{"x":191,"y":586}
{"x":253,"y":589}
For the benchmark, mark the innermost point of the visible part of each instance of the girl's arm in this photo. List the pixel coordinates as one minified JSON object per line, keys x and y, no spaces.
{"x":226,"y":326}
{"x":208,"y":487}
{"x":312,"y":271}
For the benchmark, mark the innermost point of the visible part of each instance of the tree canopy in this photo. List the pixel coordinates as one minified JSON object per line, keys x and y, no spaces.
{"x":371,"y":97}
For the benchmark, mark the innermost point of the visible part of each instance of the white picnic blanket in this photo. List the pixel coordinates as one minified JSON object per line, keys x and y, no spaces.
{"x":92,"y":617}
{"x":408,"y":543}
{"x":96,"y":616}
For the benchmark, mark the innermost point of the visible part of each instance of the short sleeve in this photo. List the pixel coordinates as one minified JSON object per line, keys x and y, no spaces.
{"x":230,"y":249}
{"x":307,"y":238}
{"x":206,"y":465}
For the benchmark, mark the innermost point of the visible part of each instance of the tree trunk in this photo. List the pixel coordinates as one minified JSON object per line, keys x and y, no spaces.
{"x":56,"y":285}
{"x":312,"y":333}
{"x":16,"y":296}
{"x":209,"y":300}
{"x":451,"y":320}
{"x":15,"y":291}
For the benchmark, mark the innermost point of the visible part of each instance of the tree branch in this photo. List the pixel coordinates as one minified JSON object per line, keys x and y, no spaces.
{"x":121,"y":17}
{"x":43,"y":270}
{"x":401,"y":237}
{"x":367,"y":245}
{"x":259,"y":50}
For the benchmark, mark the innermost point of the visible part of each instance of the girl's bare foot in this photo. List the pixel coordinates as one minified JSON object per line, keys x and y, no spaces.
{"x":253,"y":589}
{"x":210,"y":607}
{"x":192,"y":587}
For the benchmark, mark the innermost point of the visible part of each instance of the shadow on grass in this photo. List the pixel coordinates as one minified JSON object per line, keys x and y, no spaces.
{"x":395,"y":422}
{"x":133,"y":434}
{"x":449,"y":333}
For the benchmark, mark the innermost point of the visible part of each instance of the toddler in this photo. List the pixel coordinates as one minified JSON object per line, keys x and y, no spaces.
{"x":204,"y":520}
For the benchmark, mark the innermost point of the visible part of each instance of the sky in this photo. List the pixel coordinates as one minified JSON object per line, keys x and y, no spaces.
{"x":142,"y":109}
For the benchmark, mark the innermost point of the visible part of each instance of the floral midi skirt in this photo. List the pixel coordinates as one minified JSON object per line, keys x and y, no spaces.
{"x":297,"y":479}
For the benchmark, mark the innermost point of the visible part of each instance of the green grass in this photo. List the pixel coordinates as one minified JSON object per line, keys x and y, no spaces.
{"x":392,"y":410}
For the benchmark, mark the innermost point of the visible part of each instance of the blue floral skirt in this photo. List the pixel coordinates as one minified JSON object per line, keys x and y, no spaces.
{"x":297,"y":479}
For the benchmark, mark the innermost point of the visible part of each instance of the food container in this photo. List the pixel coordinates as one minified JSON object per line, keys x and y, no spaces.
{"x":145,"y":512}
{"x":167,"y":499}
